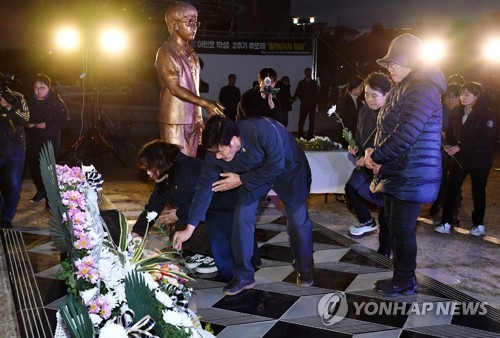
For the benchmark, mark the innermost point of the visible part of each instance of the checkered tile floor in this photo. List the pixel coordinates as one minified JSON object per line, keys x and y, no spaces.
{"x":276,"y":307}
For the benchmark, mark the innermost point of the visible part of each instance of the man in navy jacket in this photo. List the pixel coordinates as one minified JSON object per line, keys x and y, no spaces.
{"x":254,"y":155}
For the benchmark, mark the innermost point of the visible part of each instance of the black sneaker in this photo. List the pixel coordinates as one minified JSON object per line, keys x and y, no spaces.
{"x":394,"y":288}
{"x":38,"y":197}
{"x":235,"y":286}
{"x":194,"y":261}
{"x":207,"y":266}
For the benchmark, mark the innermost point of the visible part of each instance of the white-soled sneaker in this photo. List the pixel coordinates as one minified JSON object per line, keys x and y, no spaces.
{"x":362,"y":228}
{"x":444,"y":228}
{"x":208,"y":266}
{"x":194,"y":261}
{"x":477,"y":230}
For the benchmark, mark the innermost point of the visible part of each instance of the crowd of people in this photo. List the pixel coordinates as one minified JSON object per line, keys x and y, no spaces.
{"x":417,"y":137}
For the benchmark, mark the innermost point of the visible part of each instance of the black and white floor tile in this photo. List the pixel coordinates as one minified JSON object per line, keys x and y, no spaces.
{"x":276,"y":307}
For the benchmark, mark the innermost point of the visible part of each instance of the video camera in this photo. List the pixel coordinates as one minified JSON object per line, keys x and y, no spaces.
{"x":5,"y":81}
{"x":267,"y":87}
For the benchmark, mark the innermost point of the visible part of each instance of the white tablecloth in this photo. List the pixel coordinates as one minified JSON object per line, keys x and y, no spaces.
{"x":330,"y":170}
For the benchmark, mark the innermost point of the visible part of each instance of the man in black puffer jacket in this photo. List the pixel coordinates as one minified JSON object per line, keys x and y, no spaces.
{"x":406,"y":158}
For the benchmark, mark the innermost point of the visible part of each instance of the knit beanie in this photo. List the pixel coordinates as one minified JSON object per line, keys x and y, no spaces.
{"x":405,"y":50}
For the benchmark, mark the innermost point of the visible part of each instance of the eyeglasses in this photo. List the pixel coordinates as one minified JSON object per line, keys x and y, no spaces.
{"x":390,"y":64}
{"x":191,"y":23}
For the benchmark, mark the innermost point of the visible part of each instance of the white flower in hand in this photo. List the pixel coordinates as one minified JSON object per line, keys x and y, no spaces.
{"x":332,"y":110}
{"x":151,"y":216}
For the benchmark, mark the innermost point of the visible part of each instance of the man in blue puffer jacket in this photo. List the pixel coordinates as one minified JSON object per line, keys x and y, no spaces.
{"x":406,"y":158}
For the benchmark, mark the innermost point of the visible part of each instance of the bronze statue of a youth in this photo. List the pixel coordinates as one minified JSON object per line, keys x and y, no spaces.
{"x":178,"y":68}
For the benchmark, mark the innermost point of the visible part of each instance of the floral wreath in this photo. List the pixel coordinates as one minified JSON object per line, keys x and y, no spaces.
{"x":115,"y":289}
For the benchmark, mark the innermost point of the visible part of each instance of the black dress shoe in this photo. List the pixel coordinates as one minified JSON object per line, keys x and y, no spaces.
{"x":305,"y":279}
{"x":388,"y":280}
{"x":395,"y":288}
{"x":38,"y":197}
{"x":235,"y":286}
{"x":4,"y":224}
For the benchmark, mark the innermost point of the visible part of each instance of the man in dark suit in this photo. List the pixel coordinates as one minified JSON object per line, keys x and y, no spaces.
{"x":254,"y":155}
{"x":308,"y":93}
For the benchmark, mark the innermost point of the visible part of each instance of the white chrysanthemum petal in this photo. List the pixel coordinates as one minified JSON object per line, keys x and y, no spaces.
{"x":163,"y":298}
{"x":96,"y":319}
{"x":177,"y":318}
{"x":87,"y":295}
{"x":113,"y":330}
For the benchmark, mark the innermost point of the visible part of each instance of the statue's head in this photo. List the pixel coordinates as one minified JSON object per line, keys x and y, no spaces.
{"x":180,"y":12}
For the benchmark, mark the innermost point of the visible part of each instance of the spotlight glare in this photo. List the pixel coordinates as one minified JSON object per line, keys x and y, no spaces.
{"x":434,"y":51}
{"x":67,"y":38}
{"x":113,"y":41}
{"x":492,"y":50}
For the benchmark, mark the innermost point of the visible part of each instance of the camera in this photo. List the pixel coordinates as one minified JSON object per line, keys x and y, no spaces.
{"x":267,"y":87}
{"x":5,"y":81}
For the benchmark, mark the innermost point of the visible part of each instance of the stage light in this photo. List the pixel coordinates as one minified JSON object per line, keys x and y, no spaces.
{"x":113,"y":41}
{"x":492,"y":50}
{"x":67,"y":38}
{"x":434,"y":50}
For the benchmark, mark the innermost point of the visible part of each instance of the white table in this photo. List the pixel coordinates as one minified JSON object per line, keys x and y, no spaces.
{"x":330,"y":170}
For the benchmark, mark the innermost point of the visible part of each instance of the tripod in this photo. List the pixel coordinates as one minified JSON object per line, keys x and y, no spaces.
{"x":94,"y":134}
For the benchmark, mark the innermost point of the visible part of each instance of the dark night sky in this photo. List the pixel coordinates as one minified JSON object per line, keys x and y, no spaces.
{"x":362,"y":13}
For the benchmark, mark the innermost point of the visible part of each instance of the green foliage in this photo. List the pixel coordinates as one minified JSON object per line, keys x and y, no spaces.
{"x":208,"y":328}
{"x":171,"y":331}
{"x":141,"y":300}
{"x":123,"y":232}
{"x":77,"y":319}
{"x":61,"y":236}
{"x":68,"y":276}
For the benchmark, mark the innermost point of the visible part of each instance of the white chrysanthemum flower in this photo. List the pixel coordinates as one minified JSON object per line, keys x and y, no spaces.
{"x":163,"y":298}
{"x":96,"y":319}
{"x":176,"y":318}
{"x":151,"y":215}
{"x":113,"y":330}
{"x":111,"y":299}
{"x":111,"y":269}
{"x":152,"y":284}
{"x":120,"y":293}
{"x":87,"y":295}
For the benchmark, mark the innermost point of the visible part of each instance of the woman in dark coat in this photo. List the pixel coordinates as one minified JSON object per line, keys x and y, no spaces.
{"x":469,"y":138}
{"x":48,"y":117}
{"x":406,"y":159}
{"x":285,"y":97}
{"x":357,"y":188}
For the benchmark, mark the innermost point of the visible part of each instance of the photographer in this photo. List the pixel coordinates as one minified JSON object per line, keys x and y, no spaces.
{"x":262,"y":102}
{"x":48,"y":116}
{"x":14,"y":115}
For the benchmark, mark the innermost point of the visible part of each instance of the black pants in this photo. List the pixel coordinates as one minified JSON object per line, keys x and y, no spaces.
{"x":479,"y":179}
{"x":401,"y":217}
{"x":361,"y":207}
{"x":307,"y":110}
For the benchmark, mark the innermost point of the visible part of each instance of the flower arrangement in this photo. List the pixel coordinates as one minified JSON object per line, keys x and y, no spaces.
{"x":318,"y":143}
{"x":115,"y":289}
{"x":346,"y":133}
